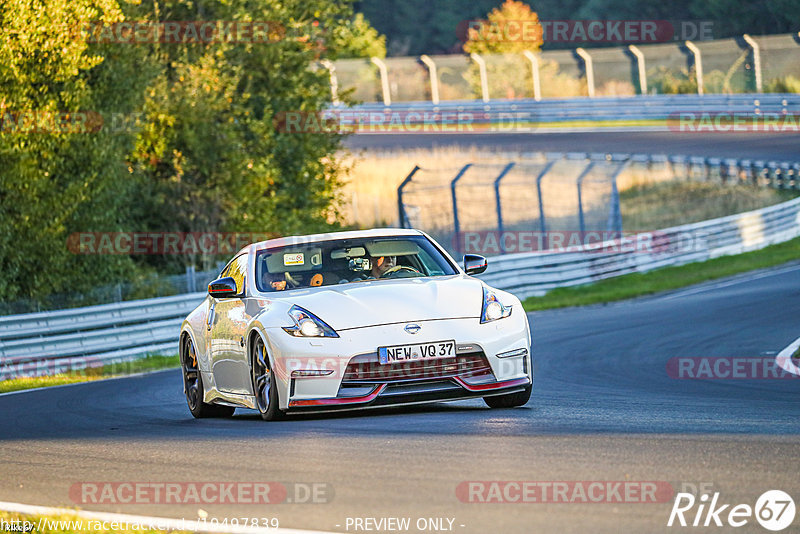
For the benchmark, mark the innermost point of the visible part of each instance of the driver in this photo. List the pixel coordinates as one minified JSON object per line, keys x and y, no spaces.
{"x":382,"y":264}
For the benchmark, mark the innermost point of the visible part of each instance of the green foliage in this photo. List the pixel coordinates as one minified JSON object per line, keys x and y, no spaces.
{"x":357,"y":38}
{"x":669,"y":82}
{"x":210,"y":153}
{"x":489,"y":39}
{"x":414,"y":27}
{"x":504,"y":59}
{"x":56,"y":182}
{"x":206,"y":156}
{"x":787,"y":84}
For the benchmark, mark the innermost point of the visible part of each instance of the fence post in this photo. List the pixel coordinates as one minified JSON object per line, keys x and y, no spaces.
{"x":583,"y":174}
{"x":640,"y":64}
{"x":387,"y":96}
{"x":542,"y":224}
{"x":498,"y":204}
{"x":333,"y":80}
{"x":190,"y":278}
{"x":484,"y":76}
{"x":401,"y":210}
{"x":615,"y":214}
{"x":756,"y":60}
{"x":434,"y":78}
{"x":587,"y":61}
{"x":698,"y":65}
{"x":456,"y":224}
{"x":537,"y":86}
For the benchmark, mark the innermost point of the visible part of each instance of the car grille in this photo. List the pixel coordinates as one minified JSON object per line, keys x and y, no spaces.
{"x":471,"y":364}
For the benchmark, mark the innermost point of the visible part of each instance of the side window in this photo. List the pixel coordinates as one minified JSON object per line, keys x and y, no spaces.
{"x":237,"y":271}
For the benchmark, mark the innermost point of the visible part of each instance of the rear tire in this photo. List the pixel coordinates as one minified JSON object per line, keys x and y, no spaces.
{"x":510,"y":400}
{"x":265,"y":387}
{"x":193,"y":385}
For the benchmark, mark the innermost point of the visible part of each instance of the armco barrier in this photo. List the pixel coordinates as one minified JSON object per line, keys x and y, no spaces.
{"x":507,"y":114}
{"x":51,"y":342}
{"x":57,"y":341}
{"x":531,"y":274}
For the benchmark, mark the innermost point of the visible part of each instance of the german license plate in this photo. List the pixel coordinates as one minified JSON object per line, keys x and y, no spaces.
{"x":417,"y":351}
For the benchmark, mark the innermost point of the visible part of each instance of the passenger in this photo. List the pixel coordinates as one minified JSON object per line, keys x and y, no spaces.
{"x":275,"y":282}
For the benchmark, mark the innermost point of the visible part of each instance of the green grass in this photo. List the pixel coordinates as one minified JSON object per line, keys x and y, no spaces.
{"x":671,"y":203}
{"x":148,"y":363}
{"x":665,"y":279}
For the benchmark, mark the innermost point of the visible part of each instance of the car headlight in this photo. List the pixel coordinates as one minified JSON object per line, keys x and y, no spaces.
{"x":306,"y":324}
{"x":493,"y":309}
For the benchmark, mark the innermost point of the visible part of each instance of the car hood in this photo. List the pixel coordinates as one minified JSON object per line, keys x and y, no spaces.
{"x":391,"y":301}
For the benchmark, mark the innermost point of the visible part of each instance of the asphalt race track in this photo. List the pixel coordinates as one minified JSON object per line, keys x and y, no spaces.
{"x":603,"y":409}
{"x":769,"y":146}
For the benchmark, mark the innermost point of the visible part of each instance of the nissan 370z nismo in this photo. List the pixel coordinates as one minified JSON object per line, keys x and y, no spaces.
{"x":352,"y":320}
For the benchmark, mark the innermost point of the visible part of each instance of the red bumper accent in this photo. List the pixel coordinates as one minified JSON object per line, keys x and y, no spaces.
{"x":493,"y":385}
{"x":333,"y":402}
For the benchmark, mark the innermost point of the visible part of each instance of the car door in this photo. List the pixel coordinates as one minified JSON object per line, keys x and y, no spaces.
{"x":227,"y":327}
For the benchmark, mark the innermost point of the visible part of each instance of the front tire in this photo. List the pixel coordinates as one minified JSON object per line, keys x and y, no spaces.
{"x":510,"y":400}
{"x":265,"y":387}
{"x":193,"y":385}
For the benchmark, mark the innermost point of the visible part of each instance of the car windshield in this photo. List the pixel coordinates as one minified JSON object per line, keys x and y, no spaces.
{"x":344,"y":261}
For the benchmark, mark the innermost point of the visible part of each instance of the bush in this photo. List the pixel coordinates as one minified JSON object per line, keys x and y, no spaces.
{"x":787,"y":84}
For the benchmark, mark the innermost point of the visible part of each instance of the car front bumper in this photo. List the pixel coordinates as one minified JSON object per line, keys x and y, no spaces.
{"x":356,"y":380}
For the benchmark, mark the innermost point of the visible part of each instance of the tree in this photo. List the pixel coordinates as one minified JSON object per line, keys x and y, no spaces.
{"x":206,"y":155}
{"x":210,"y":158}
{"x":60,"y":174}
{"x":509,"y":30}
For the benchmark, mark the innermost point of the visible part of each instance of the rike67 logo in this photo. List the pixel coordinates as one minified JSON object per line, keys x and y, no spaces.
{"x":774,"y":510}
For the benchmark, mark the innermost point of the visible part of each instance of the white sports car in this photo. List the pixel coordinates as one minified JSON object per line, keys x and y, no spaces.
{"x":352,"y":320}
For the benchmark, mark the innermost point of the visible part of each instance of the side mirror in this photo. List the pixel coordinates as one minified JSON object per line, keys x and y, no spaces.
{"x":222,"y":288}
{"x":474,"y":264}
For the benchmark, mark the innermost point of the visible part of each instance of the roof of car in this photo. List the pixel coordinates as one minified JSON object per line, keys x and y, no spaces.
{"x":353,"y":234}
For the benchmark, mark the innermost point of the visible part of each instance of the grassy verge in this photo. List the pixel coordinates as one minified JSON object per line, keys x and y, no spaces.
{"x":68,"y":524}
{"x":670,"y":203}
{"x":667,"y":278}
{"x":148,"y":363}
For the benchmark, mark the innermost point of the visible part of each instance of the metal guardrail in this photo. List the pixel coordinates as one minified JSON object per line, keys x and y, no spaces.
{"x":529,"y":112}
{"x":157,"y":286}
{"x":52,"y":342}
{"x":533,"y":274}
